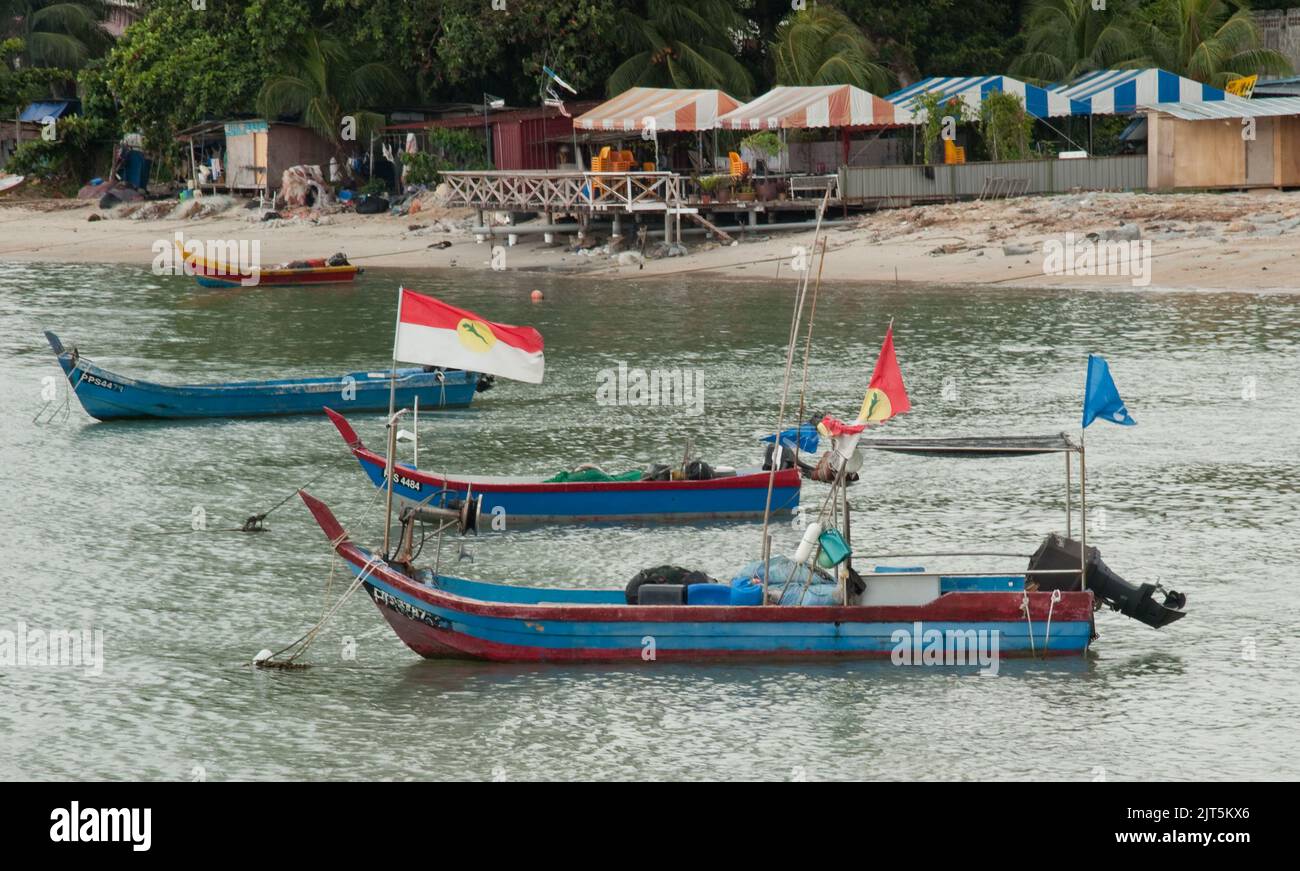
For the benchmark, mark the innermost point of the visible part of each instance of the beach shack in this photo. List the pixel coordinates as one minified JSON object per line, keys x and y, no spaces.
{"x":251,"y":155}
{"x":1233,"y":143}
{"x":538,"y":138}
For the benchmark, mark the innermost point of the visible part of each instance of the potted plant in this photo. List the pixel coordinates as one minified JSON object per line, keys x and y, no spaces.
{"x":765,"y":145}
{"x":744,"y":189}
{"x":709,"y":185}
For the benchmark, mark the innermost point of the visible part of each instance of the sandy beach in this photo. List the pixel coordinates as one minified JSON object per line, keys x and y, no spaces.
{"x":1233,"y":241}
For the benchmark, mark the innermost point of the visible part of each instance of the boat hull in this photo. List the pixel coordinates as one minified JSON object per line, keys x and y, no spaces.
{"x":282,"y":277}
{"x":455,"y":618}
{"x":108,"y":396}
{"x":733,"y":498}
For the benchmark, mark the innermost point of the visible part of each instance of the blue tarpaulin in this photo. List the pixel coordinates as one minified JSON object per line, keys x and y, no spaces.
{"x":38,"y":112}
{"x":807,"y":434}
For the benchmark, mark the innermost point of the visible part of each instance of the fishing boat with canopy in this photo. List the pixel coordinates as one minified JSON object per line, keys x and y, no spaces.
{"x":822,"y":601}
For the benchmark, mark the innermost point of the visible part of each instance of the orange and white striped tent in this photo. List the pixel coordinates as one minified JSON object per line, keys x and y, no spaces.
{"x":661,"y":109}
{"x":810,"y":106}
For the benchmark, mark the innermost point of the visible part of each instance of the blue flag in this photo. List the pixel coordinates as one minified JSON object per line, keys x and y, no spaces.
{"x":1101,"y":396}
{"x":807,"y":435}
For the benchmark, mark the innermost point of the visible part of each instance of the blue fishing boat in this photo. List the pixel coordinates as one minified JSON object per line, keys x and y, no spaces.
{"x":812,"y":606}
{"x":980,"y":618}
{"x":108,"y":396}
{"x":740,"y":494}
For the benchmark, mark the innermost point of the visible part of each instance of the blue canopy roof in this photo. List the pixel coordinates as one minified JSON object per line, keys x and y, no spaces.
{"x":38,"y":112}
{"x":973,"y":90}
{"x":1123,"y":92}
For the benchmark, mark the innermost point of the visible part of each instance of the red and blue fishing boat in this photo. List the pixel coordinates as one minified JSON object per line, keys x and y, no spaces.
{"x":321,"y":270}
{"x":109,"y":396}
{"x":738,"y":496}
{"x":905,"y":615}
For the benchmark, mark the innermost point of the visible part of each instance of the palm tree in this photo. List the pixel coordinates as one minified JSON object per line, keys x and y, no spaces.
{"x":55,"y":34}
{"x":1066,"y":38}
{"x":1212,"y":41}
{"x":681,"y":44}
{"x":323,"y":81}
{"x":821,"y":46}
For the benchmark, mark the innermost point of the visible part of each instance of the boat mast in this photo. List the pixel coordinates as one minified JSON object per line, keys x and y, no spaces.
{"x":392,"y":432}
{"x":801,"y":292}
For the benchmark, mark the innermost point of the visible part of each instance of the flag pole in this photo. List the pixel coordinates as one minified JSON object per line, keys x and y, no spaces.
{"x":1083,"y":510}
{"x":390,"y":447}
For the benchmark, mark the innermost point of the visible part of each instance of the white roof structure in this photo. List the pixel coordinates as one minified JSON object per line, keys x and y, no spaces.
{"x":1263,"y":107}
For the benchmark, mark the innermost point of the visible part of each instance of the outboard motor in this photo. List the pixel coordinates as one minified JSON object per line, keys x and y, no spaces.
{"x":1058,"y":552}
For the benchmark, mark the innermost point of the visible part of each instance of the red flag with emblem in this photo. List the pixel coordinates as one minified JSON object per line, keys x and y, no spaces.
{"x":433,"y":333}
{"x":886,"y":395}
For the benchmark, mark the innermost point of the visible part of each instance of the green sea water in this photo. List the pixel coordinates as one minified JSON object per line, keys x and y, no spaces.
{"x":97,"y":518}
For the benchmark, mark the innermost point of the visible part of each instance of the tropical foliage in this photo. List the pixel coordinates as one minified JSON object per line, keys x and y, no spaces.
{"x":1005,"y":126}
{"x":1066,"y":38}
{"x":328,"y":86}
{"x":681,"y":44}
{"x":178,"y":66}
{"x":1212,"y":41}
{"x":821,"y":46}
{"x":55,"y":33}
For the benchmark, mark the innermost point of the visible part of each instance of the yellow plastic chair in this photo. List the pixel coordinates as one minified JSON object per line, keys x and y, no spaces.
{"x":953,"y":153}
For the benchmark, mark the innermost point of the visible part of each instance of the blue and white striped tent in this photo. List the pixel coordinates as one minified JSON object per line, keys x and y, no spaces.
{"x":1123,"y":92}
{"x":972,"y":90}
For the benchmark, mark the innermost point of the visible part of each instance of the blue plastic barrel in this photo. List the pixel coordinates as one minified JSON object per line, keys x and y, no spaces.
{"x":708,"y":594}
{"x":746,"y":591}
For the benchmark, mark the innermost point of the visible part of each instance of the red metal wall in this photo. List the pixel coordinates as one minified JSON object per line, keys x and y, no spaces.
{"x":530,"y":143}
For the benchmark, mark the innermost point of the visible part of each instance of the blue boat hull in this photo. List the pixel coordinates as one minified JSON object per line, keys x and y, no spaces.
{"x":109,"y":396}
{"x":454,"y":617}
{"x":532,"y":500}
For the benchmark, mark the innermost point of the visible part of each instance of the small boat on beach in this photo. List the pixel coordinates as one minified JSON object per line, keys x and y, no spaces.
{"x":737,"y":496}
{"x":325,"y":270}
{"x":108,"y":396}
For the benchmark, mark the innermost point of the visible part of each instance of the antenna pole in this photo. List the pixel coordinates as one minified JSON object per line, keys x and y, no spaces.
{"x":800,"y":294}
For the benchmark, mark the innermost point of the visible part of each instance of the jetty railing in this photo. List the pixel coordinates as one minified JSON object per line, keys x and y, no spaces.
{"x":550,"y":191}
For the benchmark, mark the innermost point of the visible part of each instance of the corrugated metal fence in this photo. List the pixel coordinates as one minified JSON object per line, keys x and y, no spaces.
{"x":953,"y":181}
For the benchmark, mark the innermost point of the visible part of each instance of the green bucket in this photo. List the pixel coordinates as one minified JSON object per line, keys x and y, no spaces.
{"x":834,"y":550}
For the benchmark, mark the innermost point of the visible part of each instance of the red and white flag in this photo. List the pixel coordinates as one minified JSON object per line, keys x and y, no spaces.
{"x":432,"y":333}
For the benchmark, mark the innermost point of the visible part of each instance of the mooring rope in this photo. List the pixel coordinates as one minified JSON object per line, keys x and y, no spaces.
{"x":327,"y":611}
{"x":1056,"y":597}
{"x":1024,"y":606}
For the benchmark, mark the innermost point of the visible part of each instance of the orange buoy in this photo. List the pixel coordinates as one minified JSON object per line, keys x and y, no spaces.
{"x":537,"y":296}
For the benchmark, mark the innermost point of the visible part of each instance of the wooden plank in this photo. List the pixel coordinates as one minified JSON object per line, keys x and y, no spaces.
{"x":723,"y":236}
